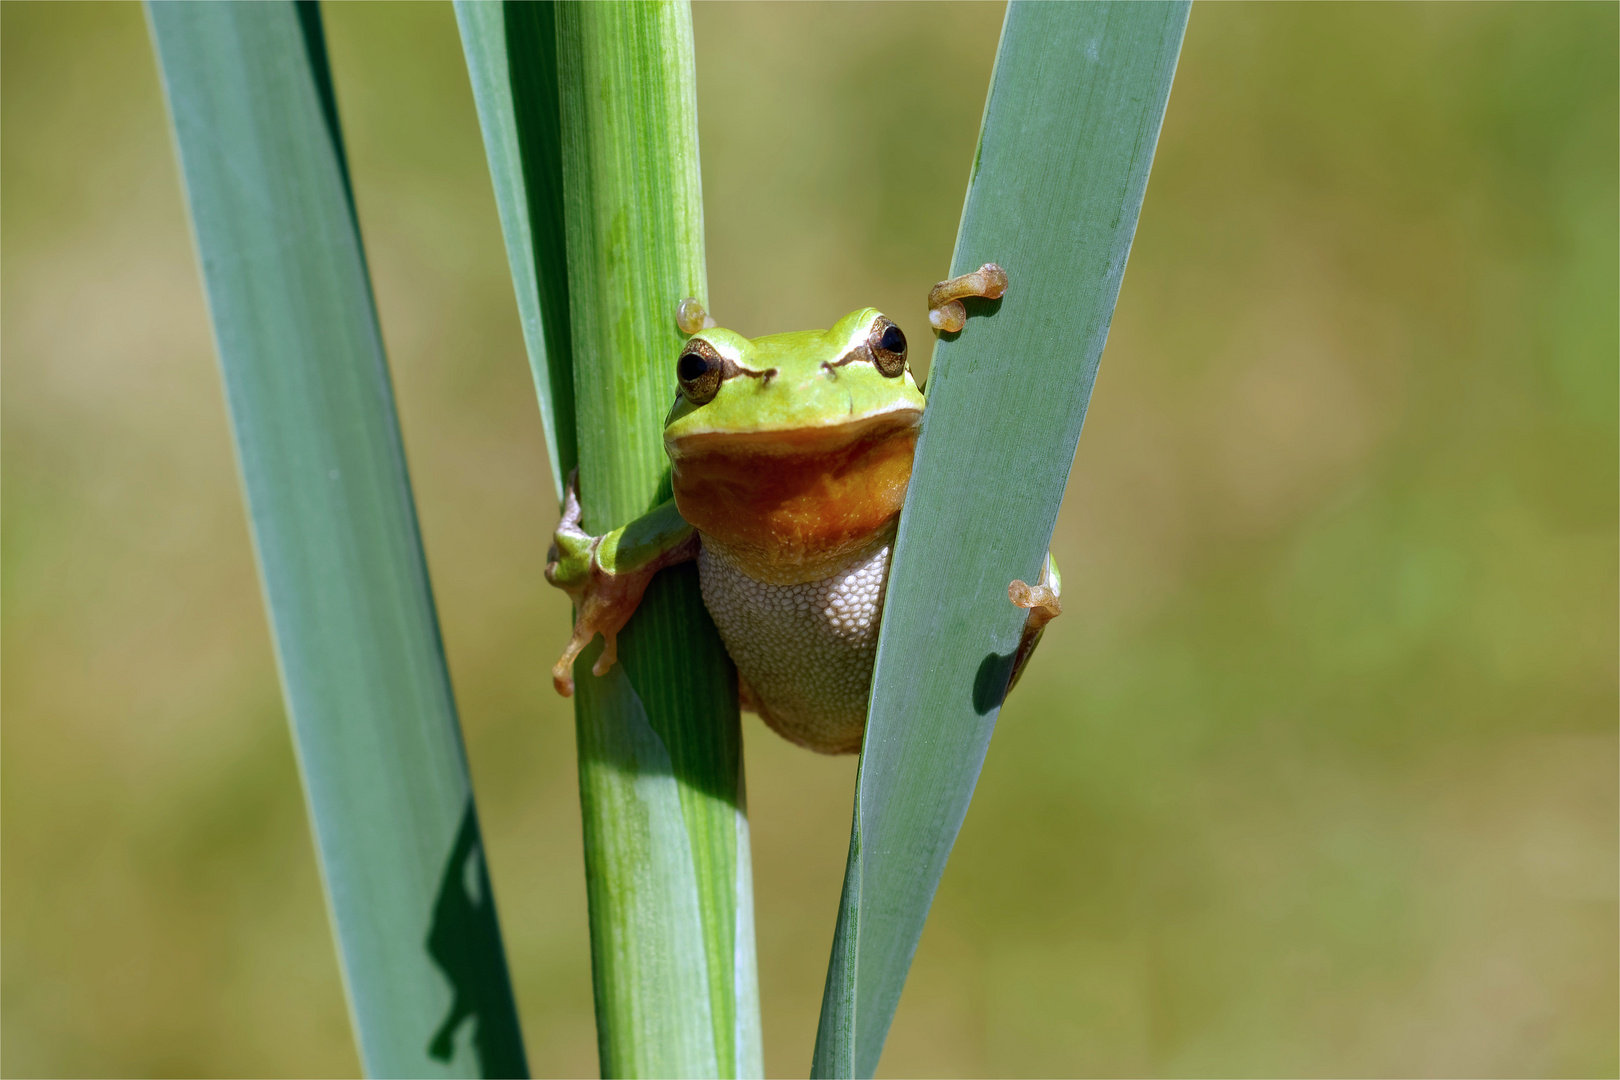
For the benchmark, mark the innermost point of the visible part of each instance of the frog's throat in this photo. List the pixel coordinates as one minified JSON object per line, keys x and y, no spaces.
{"x":794,"y":507}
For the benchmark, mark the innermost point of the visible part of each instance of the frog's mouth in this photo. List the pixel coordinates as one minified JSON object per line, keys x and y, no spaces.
{"x":795,"y":506}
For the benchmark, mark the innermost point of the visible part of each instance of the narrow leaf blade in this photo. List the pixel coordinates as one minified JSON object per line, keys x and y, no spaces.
{"x":590,"y":122}
{"x":511,"y":51}
{"x":1067,"y":140}
{"x":335,"y":530}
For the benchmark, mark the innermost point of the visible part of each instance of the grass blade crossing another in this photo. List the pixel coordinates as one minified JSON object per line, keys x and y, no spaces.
{"x":589,"y":119}
{"x":1068,"y":136}
{"x":335,"y":530}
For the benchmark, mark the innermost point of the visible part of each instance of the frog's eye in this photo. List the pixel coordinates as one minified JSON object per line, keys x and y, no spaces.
{"x":888,"y":345}
{"x":699,"y":371}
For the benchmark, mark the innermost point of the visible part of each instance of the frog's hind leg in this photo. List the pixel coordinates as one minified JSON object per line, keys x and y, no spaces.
{"x":1044,"y":603}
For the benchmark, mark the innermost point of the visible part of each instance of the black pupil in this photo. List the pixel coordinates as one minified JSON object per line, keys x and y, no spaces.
{"x":691,"y":366}
{"x":893,"y":340}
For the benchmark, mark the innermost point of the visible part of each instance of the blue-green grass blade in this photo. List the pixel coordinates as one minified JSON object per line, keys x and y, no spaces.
{"x":590,"y":124}
{"x":1068,"y":135}
{"x":334,"y":527}
{"x":511,"y":51}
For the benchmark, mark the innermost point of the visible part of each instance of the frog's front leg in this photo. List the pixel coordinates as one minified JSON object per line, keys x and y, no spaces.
{"x":946,"y":312}
{"x":1044,"y":603}
{"x":606,"y":576}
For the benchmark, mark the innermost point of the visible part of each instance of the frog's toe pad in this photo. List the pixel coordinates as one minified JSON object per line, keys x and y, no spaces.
{"x":1041,"y":601}
{"x":949,"y":317}
{"x":610,"y":654}
{"x":604,"y":612}
{"x":945,"y":310}
{"x":562,"y":672}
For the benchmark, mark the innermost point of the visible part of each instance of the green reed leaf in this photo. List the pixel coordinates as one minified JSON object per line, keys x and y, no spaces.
{"x":1068,"y":135}
{"x":335,"y":530}
{"x":590,"y":124}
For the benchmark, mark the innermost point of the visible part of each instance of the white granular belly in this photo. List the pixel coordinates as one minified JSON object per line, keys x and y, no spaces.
{"x":804,"y":650}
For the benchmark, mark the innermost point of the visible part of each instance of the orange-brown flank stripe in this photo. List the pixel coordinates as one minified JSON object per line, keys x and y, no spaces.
{"x":795,"y":506}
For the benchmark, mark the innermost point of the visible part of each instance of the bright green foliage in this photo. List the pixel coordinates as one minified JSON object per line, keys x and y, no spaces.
{"x":589,"y":118}
{"x":1068,"y":135}
{"x":356,"y":634}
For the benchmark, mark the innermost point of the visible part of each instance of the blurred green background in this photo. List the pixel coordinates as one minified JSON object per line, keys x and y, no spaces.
{"x":1317,"y":776}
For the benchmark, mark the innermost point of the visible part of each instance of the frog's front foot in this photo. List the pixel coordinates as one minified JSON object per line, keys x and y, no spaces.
{"x":605,"y":576}
{"x":692,"y":318}
{"x":573,"y":567}
{"x":945,"y":310}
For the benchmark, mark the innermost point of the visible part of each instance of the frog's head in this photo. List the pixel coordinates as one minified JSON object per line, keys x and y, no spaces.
{"x":792,"y":452}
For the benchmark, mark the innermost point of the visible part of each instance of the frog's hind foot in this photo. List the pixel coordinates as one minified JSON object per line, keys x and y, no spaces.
{"x":1044,"y":603}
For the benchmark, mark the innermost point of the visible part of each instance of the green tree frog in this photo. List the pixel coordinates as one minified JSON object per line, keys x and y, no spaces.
{"x":789,"y":459}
